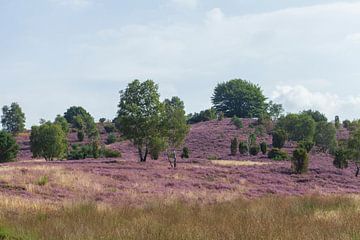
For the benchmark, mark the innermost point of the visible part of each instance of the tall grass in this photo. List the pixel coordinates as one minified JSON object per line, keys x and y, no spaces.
{"x":312,"y":217}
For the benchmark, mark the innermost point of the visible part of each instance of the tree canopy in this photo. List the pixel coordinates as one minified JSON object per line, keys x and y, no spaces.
{"x":240,"y":98}
{"x":13,"y":118}
{"x":8,"y":147}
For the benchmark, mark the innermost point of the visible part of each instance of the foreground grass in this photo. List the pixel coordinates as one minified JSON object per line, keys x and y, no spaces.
{"x":312,"y":217}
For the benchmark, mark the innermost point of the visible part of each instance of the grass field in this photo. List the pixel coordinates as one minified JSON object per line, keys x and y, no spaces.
{"x":311,"y":217}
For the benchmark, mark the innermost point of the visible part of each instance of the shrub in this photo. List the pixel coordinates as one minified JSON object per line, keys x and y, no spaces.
{"x":80,"y":136}
{"x":307,"y":145}
{"x":278,"y":138}
{"x":42,"y":181}
{"x":346,"y":124}
{"x":212,"y":157}
{"x":254,"y":150}
{"x":243,"y":148}
{"x":233,"y":146}
{"x":340,"y":160}
{"x":263,"y":147}
{"x":8,"y":147}
{"x":157,"y":145}
{"x":102,"y":120}
{"x":111,"y":139}
{"x":95,"y":149}
{"x":63,"y":123}
{"x":300,"y":161}
{"x":325,"y":136}
{"x":237,"y":122}
{"x":109,"y":127}
{"x":298,"y":127}
{"x":203,"y":116}
{"x":252,"y":139}
{"x":337,"y":122}
{"x":185,"y":152}
{"x":220,"y":116}
{"x":108,"y":153}
{"x":277,"y":154}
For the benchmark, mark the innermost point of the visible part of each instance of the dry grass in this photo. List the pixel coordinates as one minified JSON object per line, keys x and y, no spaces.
{"x":312,"y":217}
{"x":238,"y":163}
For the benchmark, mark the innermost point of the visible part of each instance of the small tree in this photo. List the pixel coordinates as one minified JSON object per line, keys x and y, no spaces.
{"x":263,"y":147}
{"x":60,"y":120}
{"x":233,"y":146}
{"x":279,"y":138}
{"x":237,"y":122}
{"x":156,"y":146}
{"x":307,"y":145}
{"x":325,"y":136}
{"x":337,"y":122}
{"x":277,"y":154}
{"x":13,"y":119}
{"x":300,"y":161}
{"x":111,"y":138}
{"x":243,"y":148}
{"x":8,"y":147}
{"x":346,"y":124}
{"x":185,"y":152}
{"x":340,"y":160}
{"x":80,"y":135}
{"x":48,"y":141}
{"x":254,"y":150}
{"x":298,"y":127}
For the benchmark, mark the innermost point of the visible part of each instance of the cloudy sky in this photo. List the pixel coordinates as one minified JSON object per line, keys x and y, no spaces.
{"x":59,"y":53}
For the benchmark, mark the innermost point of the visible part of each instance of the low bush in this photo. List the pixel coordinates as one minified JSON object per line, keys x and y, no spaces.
{"x":111,"y":139}
{"x":277,"y":154}
{"x":263,"y":147}
{"x":340,"y":158}
{"x":300,"y":161}
{"x":233,"y":146}
{"x":307,"y":145}
{"x":80,"y":136}
{"x":109,"y":153}
{"x":237,"y":122}
{"x":278,"y":138}
{"x":8,"y":147}
{"x":243,"y":148}
{"x":109,"y":127}
{"x":254,"y":150}
{"x":185,"y":153}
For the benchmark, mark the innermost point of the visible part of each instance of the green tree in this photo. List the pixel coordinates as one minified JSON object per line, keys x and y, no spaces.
{"x":325,"y":136}
{"x":274,"y":110}
{"x":48,"y":141}
{"x":298,"y":126}
{"x":233,"y":146}
{"x":300,"y":161}
{"x":316,"y":115}
{"x":279,"y":138}
{"x":80,"y":119}
{"x":139,"y":114}
{"x":203,"y":116}
{"x":337,"y":122}
{"x":60,"y":120}
{"x":8,"y":147}
{"x":240,"y":98}
{"x":13,"y":119}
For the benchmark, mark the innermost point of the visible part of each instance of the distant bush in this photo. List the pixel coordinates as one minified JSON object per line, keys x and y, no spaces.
{"x":237,"y":122}
{"x":243,"y":148}
{"x":102,"y":120}
{"x":157,"y":145}
{"x":203,"y":116}
{"x":8,"y":147}
{"x":185,"y":152}
{"x":63,"y":123}
{"x":42,"y":181}
{"x":340,"y":160}
{"x":278,"y":138}
{"x":307,"y":145}
{"x":254,"y":150}
{"x":263,"y":147}
{"x":220,"y":116}
{"x":109,"y":127}
{"x":252,"y":139}
{"x":298,"y":127}
{"x":277,"y":154}
{"x":111,"y":139}
{"x":337,"y":122}
{"x":80,"y":136}
{"x":260,"y":130}
{"x":108,"y":153}
{"x":316,"y":115}
{"x":346,"y":124}
{"x":325,"y":136}
{"x":300,"y":161}
{"x":91,"y":150}
{"x":233,"y":146}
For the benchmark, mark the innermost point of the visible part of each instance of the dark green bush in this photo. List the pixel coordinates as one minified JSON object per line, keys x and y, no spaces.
{"x":307,"y":145}
{"x":185,"y":152}
{"x":254,"y":150}
{"x":300,"y":161}
{"x":109,"y":153}
{"x":263,"y":147}
{"x":233,"y":146}
{"x":346,"y":124}
{"x":340,"y":160}
{"x":80,"y":136}
{"x":337,"y":122}
{"x":277,"y":154}
{"x":157,"y":145}
{"x":109,"y":127}
{"x":8,"y":147}
{"x":278,"y":138}
{"x":102,"y":120}
{"x":243,"y":148}
{"x":237,"y":122}
{"x":111,"y":139}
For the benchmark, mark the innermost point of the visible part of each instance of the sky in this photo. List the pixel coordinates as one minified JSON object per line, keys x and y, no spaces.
{"x":59,"y":53}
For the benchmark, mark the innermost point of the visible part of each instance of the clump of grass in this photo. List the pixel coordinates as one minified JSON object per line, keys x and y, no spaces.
{"x":42,"y":181}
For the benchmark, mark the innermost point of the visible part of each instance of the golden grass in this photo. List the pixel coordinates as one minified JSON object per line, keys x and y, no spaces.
{"x":311,"y":217}
{"x":238,"y":163}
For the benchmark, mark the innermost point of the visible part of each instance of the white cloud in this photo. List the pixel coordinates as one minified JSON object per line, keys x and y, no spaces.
{"x":73,"y":3}
{"x":190,"y":4}
{"x":298,"y":98}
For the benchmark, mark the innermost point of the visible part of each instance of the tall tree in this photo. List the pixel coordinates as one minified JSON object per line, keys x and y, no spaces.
{"x":13,"y":118}
{"x":240,"y":98}
{"x":139,"y":114}
{"x":8,"y":147}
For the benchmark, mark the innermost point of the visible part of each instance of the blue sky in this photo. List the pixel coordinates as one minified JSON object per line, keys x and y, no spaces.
{"x":59,"y":53}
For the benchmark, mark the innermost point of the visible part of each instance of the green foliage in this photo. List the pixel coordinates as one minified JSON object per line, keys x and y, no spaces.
{"x":203,"y":116}
{"x":307,"y":145}
{"x":279,"y":138}
{"x":80,"y":119}
{"x":109,"y":127}
{"x":243,"y":148}
{"x":274,"y":110}
{"x":8,"y":147}
{"x":340,"y":158}
{"x":337,"y":122}
{"x":237,"y":122}
{"x":108,"y":153}
{"x":42,"y":181}
{"x":238,"y":97}
{"x":325,"y":136}
{"x":13,"y":119}
{"x":157,"y":145}
{"x":316,"y":115}
{"x":80,"y":136}
{"x":185,"y":152}
{"x":48,"y":141}
{"x":102,"y":120}
{"x":346,"y":124}
{"x":233,"y":146}
{"x":263,"y":147}
{"x":60,"y":120}
{"x":111,"y":138}
{"x":254,"y":150}
{"x":300,"y":161}
{"x":252,"y":139}
{"x":298,"y":126}
{"x":277,"y":154}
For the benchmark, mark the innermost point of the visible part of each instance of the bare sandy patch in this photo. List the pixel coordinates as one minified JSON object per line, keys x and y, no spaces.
{"x":238,"y":163}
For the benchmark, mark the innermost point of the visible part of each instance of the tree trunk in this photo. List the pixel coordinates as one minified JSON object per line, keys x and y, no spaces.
{"x":357,"y":170}
{"x":174,"y":159}
{"x":142,"y":158}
